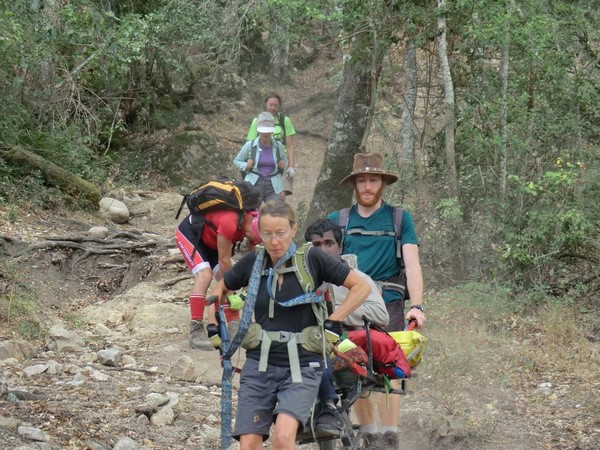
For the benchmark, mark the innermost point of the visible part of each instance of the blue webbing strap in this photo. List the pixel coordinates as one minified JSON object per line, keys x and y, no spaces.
{"x":229,"y":349}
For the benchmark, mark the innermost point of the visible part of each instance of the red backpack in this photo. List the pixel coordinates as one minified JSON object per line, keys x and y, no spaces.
{"x":388,"y":357}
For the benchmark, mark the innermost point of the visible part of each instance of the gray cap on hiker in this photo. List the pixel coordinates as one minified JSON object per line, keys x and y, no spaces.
{"x":265,"y":123}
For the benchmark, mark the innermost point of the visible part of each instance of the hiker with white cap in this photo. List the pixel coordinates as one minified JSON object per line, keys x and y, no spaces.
{"x":263,"y":160}
{"x":285,"y":133}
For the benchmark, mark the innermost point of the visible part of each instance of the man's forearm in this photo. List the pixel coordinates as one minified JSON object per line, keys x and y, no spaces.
{"x":414,"y":284}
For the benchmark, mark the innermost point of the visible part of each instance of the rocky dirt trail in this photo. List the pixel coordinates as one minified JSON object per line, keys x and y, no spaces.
{"x":115,"y":370}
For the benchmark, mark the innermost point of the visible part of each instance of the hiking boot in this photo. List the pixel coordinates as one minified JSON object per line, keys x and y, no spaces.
{"x":390,"y":441}
{"x":198,"y":338}
{"x":232,"y":328}
{"x":329,"y":422}
{"x":371,"y":441}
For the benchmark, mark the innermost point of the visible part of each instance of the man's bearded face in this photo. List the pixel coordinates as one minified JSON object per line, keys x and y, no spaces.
{"x":369,"y":189}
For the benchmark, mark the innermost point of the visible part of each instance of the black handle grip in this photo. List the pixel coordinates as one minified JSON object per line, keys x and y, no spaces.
{"x":212,"y":299}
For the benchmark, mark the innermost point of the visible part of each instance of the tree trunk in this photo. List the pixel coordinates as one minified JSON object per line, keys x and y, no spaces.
{"x":410,"y":101}
{"x":449,"y":118}
{"x":54,"y":175}
{"x":375,"y":72}
{"x":346,"y":137}
{"x":280,"y":50}
{"x":455,"y":243}
{"x":504,"y":115}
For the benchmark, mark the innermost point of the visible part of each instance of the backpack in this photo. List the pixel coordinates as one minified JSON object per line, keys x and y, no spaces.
{"x":388,"y":357}
{"x":412,"y":344}
{"x":281,"y":123}
{"x":397,"y":213}
{"x":311,"y":338}
{"x":254,"y":151}
{"x":222,"y":194}
{"x":218,"y":195}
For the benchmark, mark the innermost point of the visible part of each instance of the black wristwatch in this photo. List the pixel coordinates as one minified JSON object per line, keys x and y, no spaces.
{"x":419,"y":307}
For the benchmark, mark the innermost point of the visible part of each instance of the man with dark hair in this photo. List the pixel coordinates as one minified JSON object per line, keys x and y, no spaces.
{"x":370,"y":234}
{"x":326,"y":235}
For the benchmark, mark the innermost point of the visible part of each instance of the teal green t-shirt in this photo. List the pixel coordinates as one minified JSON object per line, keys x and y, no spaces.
{"x":377,"y":254}
{"x":278,"y":134}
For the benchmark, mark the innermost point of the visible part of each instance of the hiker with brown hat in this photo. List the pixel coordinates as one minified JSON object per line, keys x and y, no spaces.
{"x":384,"y":240}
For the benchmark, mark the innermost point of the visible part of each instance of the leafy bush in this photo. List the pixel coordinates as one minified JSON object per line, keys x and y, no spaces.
{"x":551,"y":238}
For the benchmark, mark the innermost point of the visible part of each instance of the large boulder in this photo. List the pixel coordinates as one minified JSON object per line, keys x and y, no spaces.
{"x":17,"y":349}
{"x":114,"y":210}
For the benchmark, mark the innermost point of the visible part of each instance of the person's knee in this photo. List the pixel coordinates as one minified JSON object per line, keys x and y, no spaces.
{"x":203,"y":278}
{"x":251,"y":446}
{"x":283,"y":438}
{"x":251,"y":442}
{"x":366,"y":403}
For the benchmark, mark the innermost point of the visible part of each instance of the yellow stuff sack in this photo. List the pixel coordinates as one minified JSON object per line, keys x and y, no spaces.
{"x":412,"y":344}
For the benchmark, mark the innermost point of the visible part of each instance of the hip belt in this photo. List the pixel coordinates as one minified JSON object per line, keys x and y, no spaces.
{"x":312,"y":339}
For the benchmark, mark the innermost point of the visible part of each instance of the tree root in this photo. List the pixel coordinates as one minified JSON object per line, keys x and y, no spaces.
{"x":176,"y":280}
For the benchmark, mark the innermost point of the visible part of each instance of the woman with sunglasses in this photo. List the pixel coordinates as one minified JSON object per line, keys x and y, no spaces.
{"x":270,"y":391}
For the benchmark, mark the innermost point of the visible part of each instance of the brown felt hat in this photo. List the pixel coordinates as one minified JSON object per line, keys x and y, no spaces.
{"x":371,"y":163}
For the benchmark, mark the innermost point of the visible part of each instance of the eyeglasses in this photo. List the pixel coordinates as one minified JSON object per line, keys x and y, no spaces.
{"x":279,"y":235}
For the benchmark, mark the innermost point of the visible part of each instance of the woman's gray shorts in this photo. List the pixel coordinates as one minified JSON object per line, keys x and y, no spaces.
{"x":263,"y":395}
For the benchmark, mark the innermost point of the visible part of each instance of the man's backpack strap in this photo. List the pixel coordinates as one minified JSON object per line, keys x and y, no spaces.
{"x":344,"y":217}
{"x":199,"y":227}
{"x":397,"y":213}
{"x":370,"y":233}
{"x":183,"y":202}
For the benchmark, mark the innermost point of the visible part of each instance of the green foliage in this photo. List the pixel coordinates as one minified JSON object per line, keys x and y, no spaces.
{"x":23,"y":190}
{"x":29,"y":329}
{"x":486,"y":303}
{"x":544,"y":232}
{"x":77,"y":76}
{"x":552,"y":234}
{"x":17,"y":309}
